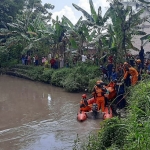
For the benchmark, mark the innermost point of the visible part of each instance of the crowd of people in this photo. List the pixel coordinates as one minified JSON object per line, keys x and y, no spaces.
{"x":119,"y":76}
{"x":129,"y":71}
{"x":46,"y":61}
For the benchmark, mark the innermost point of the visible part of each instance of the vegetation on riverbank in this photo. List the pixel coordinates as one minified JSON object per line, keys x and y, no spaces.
{"x":130,"y":133}
{"x":78,"y":78}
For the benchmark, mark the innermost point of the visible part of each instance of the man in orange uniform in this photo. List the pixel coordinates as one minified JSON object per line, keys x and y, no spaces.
{"x":132,"y":71}
{"x":84,"y":104}
{"x":98,"y":93}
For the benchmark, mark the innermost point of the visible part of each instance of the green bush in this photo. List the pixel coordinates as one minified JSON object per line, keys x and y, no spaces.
{"x":138,"y":117}
{"x":9,"y":63}
{"x":27,"y":67}
{"x":113,"y":132}
{"x":91,"y":84}
{"x":59,"y":76}
{"x":46,"y":75}
{"x":93,"y":72}
{"x":36,"y":73}
{"x":70,"y":84}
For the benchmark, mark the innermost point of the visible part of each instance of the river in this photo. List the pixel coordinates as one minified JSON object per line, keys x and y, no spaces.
{"x":38,"y":116}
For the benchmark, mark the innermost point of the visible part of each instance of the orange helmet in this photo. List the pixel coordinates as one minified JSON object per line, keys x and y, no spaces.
{"x":138,"y":61}
{"x":83,"y":95}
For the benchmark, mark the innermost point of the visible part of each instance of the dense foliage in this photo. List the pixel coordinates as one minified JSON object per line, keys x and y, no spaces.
{"x":9,"y":9}
{"x":25,"y":27}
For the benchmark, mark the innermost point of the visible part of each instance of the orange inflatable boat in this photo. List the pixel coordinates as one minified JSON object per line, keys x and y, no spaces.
{"x":83,"y":115}
{"x":88,"y":113}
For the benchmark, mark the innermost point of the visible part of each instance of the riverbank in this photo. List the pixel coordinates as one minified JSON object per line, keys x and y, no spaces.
{"x":76,"y":79}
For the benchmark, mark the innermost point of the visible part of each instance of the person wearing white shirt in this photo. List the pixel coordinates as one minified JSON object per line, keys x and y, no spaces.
{"x":84,"y":58}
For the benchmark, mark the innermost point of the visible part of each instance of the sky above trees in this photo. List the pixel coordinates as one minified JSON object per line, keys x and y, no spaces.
{"x":65,"y":7}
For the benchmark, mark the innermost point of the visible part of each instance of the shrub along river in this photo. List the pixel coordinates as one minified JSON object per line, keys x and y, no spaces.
{"x":37,"y":116}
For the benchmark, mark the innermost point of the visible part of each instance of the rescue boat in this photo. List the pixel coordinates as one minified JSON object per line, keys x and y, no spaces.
{"x":82,"y":115}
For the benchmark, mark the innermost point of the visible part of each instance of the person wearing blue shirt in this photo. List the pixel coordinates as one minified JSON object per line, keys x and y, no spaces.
{"x":114,"y":75}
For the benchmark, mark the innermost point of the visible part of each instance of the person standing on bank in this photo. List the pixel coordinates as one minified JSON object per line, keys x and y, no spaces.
{"x":109,"y":69}
{"x":141,"y":56}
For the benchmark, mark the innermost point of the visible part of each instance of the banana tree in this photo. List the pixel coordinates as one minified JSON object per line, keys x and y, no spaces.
{"x":28,"y":27}
{"x":78,"y":33}
{"x":97,"y":24}
{"x":125,"y":25}
{"x":142,"y":4}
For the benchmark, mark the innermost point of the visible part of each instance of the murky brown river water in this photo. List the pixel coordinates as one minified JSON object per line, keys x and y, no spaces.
{"x":37,"y":116}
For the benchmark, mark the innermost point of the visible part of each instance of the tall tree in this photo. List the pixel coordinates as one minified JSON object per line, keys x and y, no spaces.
{"x":8,"y":10}
{"x":27,"y":29}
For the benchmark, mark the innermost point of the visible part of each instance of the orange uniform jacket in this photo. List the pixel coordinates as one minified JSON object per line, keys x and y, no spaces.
{"x":134,"y":74}
{"x":84,"y":107}
{"x":98,"y":93}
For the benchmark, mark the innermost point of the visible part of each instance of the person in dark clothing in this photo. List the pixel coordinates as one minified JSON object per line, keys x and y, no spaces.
{"x":120,"y":101}
{"x":109,"y":68}
{"x":141,"y":56}
{"x":104,"y":71}
{"x":131,"y":61}
{"x":127,"y":81}
{"x":26,"y":60}
{"x":120,"y":71}
{"x":36,"y":60}
{"x":53,"y":62}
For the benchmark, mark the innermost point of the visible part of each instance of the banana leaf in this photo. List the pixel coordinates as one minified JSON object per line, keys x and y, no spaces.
{"x":87,"y":15}
{"x":140,"y":33}
{"x":68,"y":21}
{"x":93,"y":12}
{"x":87,"y":22}
{"x":143,"y":1}
{"x":73,"y":43}
{"x":78,"y":22}
{"x":145,"y":37}
{"x":147,"y":41}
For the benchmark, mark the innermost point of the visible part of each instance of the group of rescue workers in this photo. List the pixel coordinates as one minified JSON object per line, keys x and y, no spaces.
{"x":114,"y":91}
